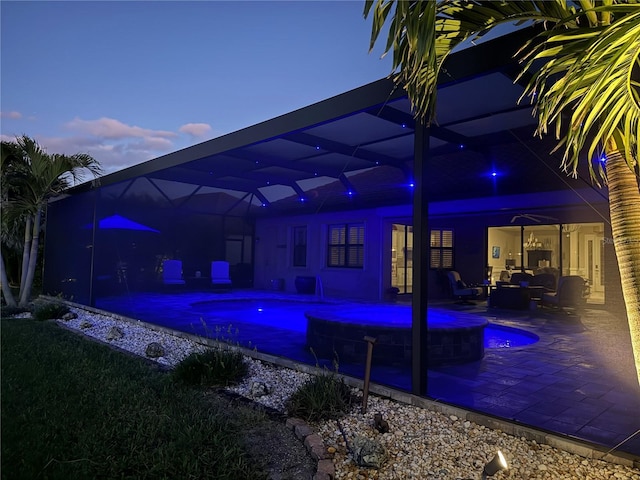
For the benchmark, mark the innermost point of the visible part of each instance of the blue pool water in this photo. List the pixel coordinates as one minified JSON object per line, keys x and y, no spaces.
{"x":289,"y":315}
{"x":497,"y":336}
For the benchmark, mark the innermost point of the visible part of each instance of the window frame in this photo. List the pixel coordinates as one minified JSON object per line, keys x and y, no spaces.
{"x":346,"y":247}
{"x":440,"y":249}
{"x":296,"y":248}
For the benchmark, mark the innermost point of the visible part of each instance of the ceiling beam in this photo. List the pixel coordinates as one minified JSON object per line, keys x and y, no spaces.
{"x":271,"y":161}
{"x":193,"y":177}
{"x":348,"y":185}
{"x":344,"y":149}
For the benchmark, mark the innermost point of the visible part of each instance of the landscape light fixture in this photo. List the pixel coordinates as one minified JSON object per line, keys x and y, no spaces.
{"x":497,"y":464}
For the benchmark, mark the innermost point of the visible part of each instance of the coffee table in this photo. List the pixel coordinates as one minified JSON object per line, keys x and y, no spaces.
{"x":513,"y":297}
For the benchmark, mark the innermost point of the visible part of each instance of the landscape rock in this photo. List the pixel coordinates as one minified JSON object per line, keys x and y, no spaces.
{"x":368,"y":453}
{"x":154,"y":350}
{"x":259,"y":389}
{"x":114,"y":333}
{"x":69,"y":316}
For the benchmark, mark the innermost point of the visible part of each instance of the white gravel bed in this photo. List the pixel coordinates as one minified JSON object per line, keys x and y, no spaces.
{"x":281,"y":382}
{"x":420,"y":444}
{"x":135,"y":337}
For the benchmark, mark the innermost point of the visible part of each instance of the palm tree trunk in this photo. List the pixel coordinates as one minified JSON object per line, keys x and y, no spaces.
{"x":6,"y":288}
{"x":624,"y":206}
{"x":25,"y":291}
{"x":26,"y":249}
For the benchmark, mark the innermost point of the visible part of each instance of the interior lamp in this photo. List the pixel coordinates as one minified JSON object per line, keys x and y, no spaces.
{"x":497,"y":464}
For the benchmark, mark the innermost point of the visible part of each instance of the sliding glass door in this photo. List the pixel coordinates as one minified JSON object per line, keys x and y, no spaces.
{"x":402,"y":257}
{"x":558,"y":249}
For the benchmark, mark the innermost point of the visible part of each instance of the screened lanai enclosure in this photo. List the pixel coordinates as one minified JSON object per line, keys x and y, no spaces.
{"x":372,"y":210}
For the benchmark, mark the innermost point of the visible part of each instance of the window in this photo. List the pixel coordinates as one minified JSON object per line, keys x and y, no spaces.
{"x":300,"y":246}
{"x":441,"y":249}
{"x":346,"y":245}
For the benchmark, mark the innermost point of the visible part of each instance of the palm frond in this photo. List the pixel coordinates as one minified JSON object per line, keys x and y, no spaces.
{"x":584,"y":89}
{"x":422,"y":34}
{"x":30,"y":176}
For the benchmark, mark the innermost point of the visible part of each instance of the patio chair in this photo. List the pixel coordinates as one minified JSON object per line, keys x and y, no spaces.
{"x":518,"y":277}
{"x":220,"y":275}
{"x":172,"y":272}
{"x":461,"y":292}
{"x":570,"y":293}
{"x":546,"y":280}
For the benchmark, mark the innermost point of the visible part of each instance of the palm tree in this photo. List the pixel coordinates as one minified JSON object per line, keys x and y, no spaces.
{"x":587,"y":90}
{"x":30,"y":177}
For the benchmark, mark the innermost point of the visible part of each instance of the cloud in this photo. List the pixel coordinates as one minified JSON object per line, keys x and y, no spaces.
{"x":152,"y":143}
{"x":113,"y":143}
{"x":113,"y":155}
{"x":116,"y":145}
{"x":195,"y":129}
{"x":13,"y":115}
{"x":114,"y":129}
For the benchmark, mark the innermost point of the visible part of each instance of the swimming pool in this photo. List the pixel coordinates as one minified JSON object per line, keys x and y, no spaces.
{"x":499,"y":336}
{"x":337,"y":328}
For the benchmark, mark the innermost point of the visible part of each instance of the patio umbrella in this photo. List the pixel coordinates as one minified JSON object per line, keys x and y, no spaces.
{"x":127,"y":248}
{"x":118,"y":222}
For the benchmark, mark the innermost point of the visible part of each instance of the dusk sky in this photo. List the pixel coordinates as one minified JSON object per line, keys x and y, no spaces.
{"x":130,"y":81}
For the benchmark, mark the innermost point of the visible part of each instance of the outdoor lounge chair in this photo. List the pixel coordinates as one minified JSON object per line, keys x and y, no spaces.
{"x":220,"y":275}
{"x":570,"y":293}
{"x":172,"y":272}
{"x":461,"y":292}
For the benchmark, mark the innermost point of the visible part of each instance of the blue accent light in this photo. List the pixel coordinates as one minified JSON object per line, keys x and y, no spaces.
{"x":264,"y":204}
{"x":315,"y":174}
{"x":349,"y":193}
{"x":260,"y":309}
{"x":302,"y":199}
{"x":118,"y":222}
{"x":461,"y":146}
{"x":257,"y":162}
{"x":412,"y":184}
{"x":603,"y":159}
{"x":377,"y":163}
{"x":404,"y":125}
{"x":317,"y":147}
{"x":494,"y":173}
{"x":268,"y":182}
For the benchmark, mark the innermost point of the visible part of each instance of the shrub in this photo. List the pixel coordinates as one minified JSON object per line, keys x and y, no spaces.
{"x":217,"y":366}
{"x":8,"y":312}
{"x":321,"y":397}
{"x":49,"y":310}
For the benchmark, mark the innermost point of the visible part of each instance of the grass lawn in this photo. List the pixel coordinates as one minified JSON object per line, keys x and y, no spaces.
{"x":76,"y":409}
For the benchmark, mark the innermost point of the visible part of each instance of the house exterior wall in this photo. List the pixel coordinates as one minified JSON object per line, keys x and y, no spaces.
{"x":469,"y":220}
{"x":274,"y":254}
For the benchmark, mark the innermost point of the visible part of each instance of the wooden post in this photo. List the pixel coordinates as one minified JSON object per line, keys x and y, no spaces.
{"x":367,"y":372}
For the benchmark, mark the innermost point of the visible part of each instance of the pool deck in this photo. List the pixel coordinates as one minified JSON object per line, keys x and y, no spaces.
{"x":578,"y":380}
